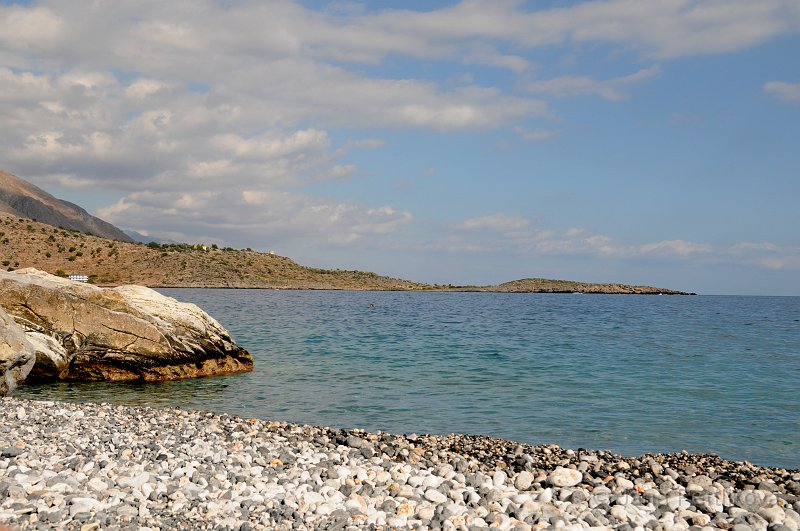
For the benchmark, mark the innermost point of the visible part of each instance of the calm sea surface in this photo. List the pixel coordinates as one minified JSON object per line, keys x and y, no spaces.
{"x":628,"y":373}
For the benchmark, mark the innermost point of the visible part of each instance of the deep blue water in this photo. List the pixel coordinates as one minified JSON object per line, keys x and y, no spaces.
{"x":628,"y":373}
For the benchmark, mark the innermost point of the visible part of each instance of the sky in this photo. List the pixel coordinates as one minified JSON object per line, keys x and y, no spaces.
{"x":472,"y":142}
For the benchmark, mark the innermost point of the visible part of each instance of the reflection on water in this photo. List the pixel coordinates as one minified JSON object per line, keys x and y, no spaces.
{"x":201,"y":393}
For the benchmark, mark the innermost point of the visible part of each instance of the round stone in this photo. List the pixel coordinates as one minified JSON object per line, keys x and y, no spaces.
{"x":564,"y":477}
{"x":499,"y":478}
{"x":523,"y":481}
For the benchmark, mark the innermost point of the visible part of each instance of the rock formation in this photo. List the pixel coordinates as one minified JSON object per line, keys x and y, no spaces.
{"x":16,"y":354}
{"x":81,"y":332}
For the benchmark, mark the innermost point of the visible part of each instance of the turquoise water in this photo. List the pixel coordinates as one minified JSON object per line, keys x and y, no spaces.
{"x":632,"y":374}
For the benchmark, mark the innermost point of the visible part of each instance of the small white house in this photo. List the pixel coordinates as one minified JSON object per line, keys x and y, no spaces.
{"x":79,"y":278}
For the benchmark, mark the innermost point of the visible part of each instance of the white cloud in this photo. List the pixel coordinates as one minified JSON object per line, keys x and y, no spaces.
{"x":504,"y":233}
{"x":610,"y":89}
{"x":271,"y":145}
{"x":494,"y":222}
{"x":256,"y":215}
{"x":535,"y":135}
{"x":364,"y":143}
{"x":341,"y":171}
{"x":88,"y":82}
{"x":783,"y":91}
{"x":766,"y":255}
{"x":21,"y":27}
{"x":675,"y":247}
{"x":24,"y":87}
{"x":501,"y":233}
{"x":143,"y":88}
{"x":670,"y":28}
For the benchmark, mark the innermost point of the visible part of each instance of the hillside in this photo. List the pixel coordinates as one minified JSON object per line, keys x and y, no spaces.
{"x":21,"y":198}
{"x":28,"y":243}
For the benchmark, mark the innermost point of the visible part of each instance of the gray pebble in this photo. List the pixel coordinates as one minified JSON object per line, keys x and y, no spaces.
{"x":10,"y":452}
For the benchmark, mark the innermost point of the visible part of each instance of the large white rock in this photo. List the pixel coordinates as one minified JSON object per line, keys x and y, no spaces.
{"x":83,"y":332}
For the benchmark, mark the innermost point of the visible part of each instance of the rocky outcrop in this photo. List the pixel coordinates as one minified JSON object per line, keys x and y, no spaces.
{"x":17,"y":354}
{"x":545,"y":285}
{"x":81,"y":332}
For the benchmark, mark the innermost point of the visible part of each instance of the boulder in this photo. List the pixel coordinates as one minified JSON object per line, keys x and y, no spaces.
{"x":81,"y":332}
{"x":17,"y":354}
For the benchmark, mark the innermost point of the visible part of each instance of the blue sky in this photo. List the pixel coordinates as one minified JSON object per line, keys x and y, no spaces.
{"x":450,"y":142}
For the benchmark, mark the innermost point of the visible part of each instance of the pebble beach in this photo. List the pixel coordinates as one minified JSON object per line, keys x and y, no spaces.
{"x":99,"y":466}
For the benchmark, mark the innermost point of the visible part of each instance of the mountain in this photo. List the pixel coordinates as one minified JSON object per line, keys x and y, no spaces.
{"x":21,"y":198}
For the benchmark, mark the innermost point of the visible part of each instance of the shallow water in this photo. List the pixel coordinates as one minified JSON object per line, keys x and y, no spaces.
{"x":628,"y":373}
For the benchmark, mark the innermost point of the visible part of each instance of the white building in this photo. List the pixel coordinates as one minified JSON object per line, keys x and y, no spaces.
{"x":79,"y":278}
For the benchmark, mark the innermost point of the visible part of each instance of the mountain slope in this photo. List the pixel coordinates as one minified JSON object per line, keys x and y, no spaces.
{"x":28,"y":243}
{"x":21,"y":198}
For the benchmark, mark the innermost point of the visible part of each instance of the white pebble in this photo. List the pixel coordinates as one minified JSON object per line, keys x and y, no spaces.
{"x":435,"y":496}
{"x":565,"y":477}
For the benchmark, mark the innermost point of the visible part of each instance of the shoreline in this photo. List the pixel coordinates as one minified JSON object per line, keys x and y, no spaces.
{"x":114,"y":263}
{"x":399,"y":290}
{"x":68,"y":466}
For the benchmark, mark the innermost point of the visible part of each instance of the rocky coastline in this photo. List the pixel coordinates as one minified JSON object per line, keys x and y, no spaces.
{"x":98,"y":466}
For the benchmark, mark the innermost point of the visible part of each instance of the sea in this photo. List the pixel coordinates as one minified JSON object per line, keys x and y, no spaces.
{"x":633,"y":374}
